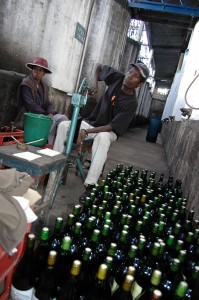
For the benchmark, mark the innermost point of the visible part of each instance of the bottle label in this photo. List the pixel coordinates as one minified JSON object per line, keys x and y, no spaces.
{"x":22,"y":295}
{"x":137,"y":291}
{"x":114,"y":287}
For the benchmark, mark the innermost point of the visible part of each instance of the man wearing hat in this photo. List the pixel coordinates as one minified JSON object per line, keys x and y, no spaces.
{"x":110,"y":118}
{"x":32,"y":95}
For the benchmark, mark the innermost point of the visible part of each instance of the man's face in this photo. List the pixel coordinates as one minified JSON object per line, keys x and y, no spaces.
{"x":132,"y":78}
{"x":38,"y":73}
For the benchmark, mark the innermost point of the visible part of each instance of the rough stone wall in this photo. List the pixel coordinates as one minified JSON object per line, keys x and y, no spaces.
{"x":44,"y":28}
{"x":9,"y":82}
{"x":107,"y":36}
{"x":181,"y":144}
{"x":47,"y":28}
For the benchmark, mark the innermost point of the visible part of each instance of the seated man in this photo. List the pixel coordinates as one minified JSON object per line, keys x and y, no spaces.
{"x":110,"y":118}
{"x":32,"y":96}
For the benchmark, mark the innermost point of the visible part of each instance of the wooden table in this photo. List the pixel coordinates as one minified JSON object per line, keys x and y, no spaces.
{"x":37,"y":168}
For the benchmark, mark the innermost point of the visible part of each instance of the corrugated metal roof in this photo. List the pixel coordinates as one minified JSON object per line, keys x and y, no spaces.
{"x":169,"y":25}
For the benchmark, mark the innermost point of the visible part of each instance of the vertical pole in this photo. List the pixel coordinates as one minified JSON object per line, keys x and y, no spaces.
{"x":72,"y":129}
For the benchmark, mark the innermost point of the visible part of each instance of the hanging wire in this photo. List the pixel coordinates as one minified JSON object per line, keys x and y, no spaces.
{"x":187,"y":93}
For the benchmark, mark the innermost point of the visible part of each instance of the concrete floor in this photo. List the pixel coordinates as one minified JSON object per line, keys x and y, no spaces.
{"x":131,"y":149}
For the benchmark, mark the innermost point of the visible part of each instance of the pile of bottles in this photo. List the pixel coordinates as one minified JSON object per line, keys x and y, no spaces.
{"x":132,"y":239}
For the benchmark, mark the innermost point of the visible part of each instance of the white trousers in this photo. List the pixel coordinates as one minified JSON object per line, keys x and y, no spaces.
{"x":100,"y":147}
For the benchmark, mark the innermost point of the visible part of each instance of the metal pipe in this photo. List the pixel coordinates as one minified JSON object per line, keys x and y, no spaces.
{"x":84,"y":49}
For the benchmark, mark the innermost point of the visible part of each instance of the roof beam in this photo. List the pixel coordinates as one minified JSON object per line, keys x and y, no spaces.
{"x":164,"y":7}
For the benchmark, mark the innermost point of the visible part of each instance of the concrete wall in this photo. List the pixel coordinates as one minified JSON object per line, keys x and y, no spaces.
{"x":9,"y":82}
{"x":47,"y":28}
{"x":181,"y":144}
{"x":131,"y":52}
{"x":185,"y":75}
{"x":158,"y":103}
{"x":44,"y":28}
{"x":107,"y":36}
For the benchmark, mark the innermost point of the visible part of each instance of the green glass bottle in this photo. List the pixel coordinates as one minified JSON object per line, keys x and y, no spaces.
{"x":152,"y":261}
{"x":110,"y":272}
{"x":179,"y":245}
{"x":124,"y":292}
{"x":190,"y":216}
{"x":192,"y":254}
{"x":126,"y":267}
{"x":63,"y":262}
{"x":137,"y":232}
{"x":22,"y":279}
{"x":167,"y":257}
{"x":94,"y":209}
{"x":112,"y":249}
{"x":181,"y":290}
{"x":155,"y":281}
{"x":182,"y":257}
{"x":193,"y":282}
{"x":115,"y":216}
{"x":46,"y":287}
{"x":87,"y":272}
{"x":100,"y":290}
{"x":94,"y":239}
{"x":186,"y":226}
{"x":93,"y":244}
{"x":122,"y":246}
{"x":177,"y":189}
{"x":143,"y":272}
{"x":55,"y":240}
{"x":195,"y":224}
{"x":151,"y":238}
{"x":162,"y":265}
{"x":40,"y":254}
{"x":68,"y":228}
{"x":76,"y":245}
{"x":169,"y":185}
{"x":103,"y":244}
{"x":76,"y":212}
{"x":171,"y":279}
{"x":87,"y":231}
{"x":85,"y":213}
{"x":120,"y":225}
{"x":71,"y":288}
{"x":99,"y":217}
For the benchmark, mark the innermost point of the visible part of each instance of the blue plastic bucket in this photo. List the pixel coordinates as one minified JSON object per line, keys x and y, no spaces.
{"x":153,"y":130}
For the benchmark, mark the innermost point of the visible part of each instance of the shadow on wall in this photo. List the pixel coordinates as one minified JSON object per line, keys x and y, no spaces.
{"x":9,"y":83}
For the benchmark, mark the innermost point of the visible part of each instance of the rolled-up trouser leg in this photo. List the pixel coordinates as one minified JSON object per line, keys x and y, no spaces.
{"x":101,"y":145}
{"x":61,"y":137}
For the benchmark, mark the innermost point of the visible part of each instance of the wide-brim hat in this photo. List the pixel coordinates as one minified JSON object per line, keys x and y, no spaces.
{"x":40,"y":62}
{"x":144,"y":71}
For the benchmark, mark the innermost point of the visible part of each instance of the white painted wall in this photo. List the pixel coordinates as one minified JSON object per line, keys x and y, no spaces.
{"x":188,"y":72}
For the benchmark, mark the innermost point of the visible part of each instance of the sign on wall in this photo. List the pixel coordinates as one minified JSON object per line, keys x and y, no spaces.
{"x":80,"y":33}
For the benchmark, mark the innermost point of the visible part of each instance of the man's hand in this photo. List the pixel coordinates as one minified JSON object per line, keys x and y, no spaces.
{"x":82,"y":134}
{"x":93,"y":91}
{"x":50,"y":115}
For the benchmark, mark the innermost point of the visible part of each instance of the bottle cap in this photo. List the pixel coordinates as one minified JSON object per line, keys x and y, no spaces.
{"x":52,"y":257}
{"x":102,"y":271}
{"x":156,"y":277}
{"x":76,"y":267}
{"x":128,"y":281}
{"x":45,"y":233}
{"x":66,"y":243}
